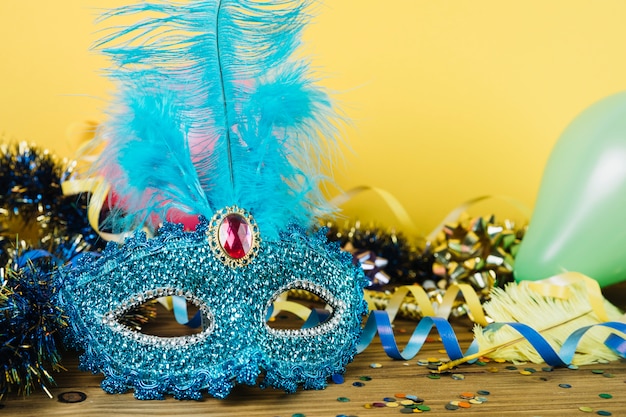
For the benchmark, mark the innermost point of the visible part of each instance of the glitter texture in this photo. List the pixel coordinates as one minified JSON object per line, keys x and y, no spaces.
{"x":236,"y":346}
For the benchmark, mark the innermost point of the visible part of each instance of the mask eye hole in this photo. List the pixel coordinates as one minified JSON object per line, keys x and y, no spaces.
{"x":153,"y":318}
{"x":302,"y":309}
{"x":142,"y":316}
{"x":129,"y":318}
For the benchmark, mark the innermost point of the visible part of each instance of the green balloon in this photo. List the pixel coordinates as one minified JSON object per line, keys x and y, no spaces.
{"x":579,"y":221}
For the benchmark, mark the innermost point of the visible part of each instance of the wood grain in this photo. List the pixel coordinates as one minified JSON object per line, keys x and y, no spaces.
{"x":510,"y":392}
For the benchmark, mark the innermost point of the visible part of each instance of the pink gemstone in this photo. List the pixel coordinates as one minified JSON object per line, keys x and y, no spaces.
{"x":235,"y":236}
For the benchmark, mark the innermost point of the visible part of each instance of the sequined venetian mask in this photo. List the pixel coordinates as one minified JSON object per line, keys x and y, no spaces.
{"x":236,"y":343}
{"x":213,"y":119}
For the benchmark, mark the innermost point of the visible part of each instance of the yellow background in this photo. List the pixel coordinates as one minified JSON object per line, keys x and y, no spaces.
{"x":448,"y":99}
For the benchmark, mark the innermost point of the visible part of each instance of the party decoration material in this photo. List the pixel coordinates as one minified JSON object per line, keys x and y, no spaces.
{"x":30,"y":323}
{"x":555,"y":316}
{"x":476,"y":251}
{"x":214,"y":122}
{"x":581,"y":200}
{"x":40,"y":229}
{"x":406,"y":262}
{"x":577,"y":333}
{"x":444,"y":308}
{"x":415,"y":308}
{"x":34,"y":213}
{"x":371,"y":265}
{"x":410,"y":301}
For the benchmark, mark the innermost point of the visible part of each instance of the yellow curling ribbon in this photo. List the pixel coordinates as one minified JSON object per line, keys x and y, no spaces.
{"x":292,"y":307}
{"x":425,"y":304}
{"x":392,"y":202}
{"x":404,"y":218}
{"x":99,"y":189}
{"x":558,"y":287}
{"x":80,"y":135}
{"x":456,"y":213}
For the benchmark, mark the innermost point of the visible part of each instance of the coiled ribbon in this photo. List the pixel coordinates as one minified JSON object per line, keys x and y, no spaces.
{"x":380,"y":321}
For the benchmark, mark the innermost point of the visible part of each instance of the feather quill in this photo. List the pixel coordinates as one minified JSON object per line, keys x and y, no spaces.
{"x":554,"y":318}
{"x":213,"y":109}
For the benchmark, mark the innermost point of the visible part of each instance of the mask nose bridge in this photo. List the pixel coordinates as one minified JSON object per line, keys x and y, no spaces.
{"x":233,"y":303}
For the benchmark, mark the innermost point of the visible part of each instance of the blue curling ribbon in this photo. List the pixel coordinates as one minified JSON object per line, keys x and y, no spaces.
{"x":379,"y":322}
{"x":180,"y":313}
{"x":565,"y":356}
{"x":31,"y":255}
{"x":537,"y":341}
{"x":618,"y":344}
{"x":614,"y":342}
{"x":317,"y":316}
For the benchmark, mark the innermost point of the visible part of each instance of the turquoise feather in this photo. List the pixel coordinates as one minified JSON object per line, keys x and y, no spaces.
{"x":213,"y":110}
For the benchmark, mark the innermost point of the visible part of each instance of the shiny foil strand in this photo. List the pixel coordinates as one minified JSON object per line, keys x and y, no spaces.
{"x":406,"y":261}
{"x":30,"y":327}
{"x":34,"y":213}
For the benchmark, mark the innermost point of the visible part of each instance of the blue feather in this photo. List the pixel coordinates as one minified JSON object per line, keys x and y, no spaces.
{"x":214,"y":111}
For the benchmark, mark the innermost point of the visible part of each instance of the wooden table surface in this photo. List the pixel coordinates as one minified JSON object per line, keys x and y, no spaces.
{"x":511,"y":393}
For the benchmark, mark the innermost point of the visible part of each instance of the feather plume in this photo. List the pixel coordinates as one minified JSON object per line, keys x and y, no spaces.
{"x":213,"y":109}
{"x":554,"y":318}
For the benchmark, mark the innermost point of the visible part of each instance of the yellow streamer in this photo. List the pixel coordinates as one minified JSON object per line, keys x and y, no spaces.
{"x":558,"y":287}
{"x":455,"y":213}
{"x":425,"y":304}
{"x":404,"y":218}
{"x":396,"y":207}
{"x":292,"y":307}
{"x":99,"y":189}
{"x":80,"y":135}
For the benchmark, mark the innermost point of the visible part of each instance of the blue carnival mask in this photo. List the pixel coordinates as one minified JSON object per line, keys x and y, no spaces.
{"x":236,"y":343}
{"x":213,"y":118}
